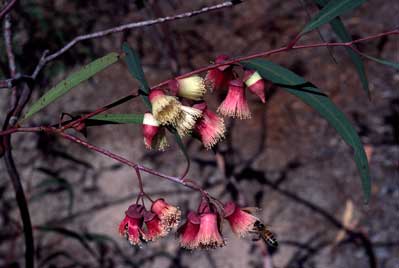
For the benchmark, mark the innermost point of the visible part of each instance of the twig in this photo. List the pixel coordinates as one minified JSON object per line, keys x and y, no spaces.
{"x":11,"y":66}
{"x":7,"y":8}
{"x":6,"y":83}
{"x":105,"y":152}
{"x":282,"y":49}
{"x":44,"y":59}
{"x":22,"y":205}
{"x":304,"y":4}
{"x":19,"y":98}
{"x":52,"y":130}
{"x":203,"y":69}
{"x":10,"y":82}
{"x":8,"y":43}
{"x":117,"y":157}
{"x":128,"y":26}
{"x":98,"y":111}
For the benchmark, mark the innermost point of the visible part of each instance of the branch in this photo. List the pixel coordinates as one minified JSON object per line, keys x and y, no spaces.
{"x":19,"y":97}
{"x":119,"y":158}
{"x":128,"y":26}
{"x":7,"y":8}
{"x":8,"y":43}
{"x":22,"y":205}
{"x":282,"y":49}
{"x":98,"y":111}
{"x":203,"y":69}
{"x":52,"y":130}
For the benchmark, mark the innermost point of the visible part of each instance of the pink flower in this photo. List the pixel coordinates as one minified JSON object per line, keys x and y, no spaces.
{"x":188,"y":231}
{"x":219,"y":77}
{"x":255,"y":83}
{"x":240,"y":221}
{"x":130,"y":227}
{"x":154,"y":135}
{"x":192,"y":87}
{"x":210,"y":127}
{"x":187,"y":120}
{"x":169,"y":215}
{"x":153,"y":227}
{"x":235,"y":104}
{"x":208,"y":235}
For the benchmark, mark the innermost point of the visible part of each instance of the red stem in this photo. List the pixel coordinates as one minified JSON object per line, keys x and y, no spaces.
{"x":105,"y":152}
{"x":117,"y":157}
{"x":278,"y":50}
{"x":7,"y":8}
{"x":200,"y":70}
{"x":98,"y":111}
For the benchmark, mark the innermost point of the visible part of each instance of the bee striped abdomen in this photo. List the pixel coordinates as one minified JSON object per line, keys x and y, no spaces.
{"x":265,"y":234}
{"x":269,"y":238}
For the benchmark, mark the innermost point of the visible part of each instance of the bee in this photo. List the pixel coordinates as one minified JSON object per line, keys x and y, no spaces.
{"x":265,"y":234}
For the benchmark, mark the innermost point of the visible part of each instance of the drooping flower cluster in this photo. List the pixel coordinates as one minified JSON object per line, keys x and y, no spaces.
{"x":180,"y":106}
{"x":202,"y":228}
{"x":141,"y":225}
{"x":195,"y":118}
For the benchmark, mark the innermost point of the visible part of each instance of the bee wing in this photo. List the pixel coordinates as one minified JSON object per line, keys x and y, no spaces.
{"x":251,"y":210}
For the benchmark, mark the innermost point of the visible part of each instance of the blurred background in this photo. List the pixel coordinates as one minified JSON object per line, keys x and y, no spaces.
{"x":286,"y":160}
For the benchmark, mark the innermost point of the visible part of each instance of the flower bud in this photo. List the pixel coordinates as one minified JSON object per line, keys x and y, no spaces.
{"x":210,"y":127}
{"x":192,"y":88}
{"x":240,"y":221}
{"x":165,"y":109}
{"x":235,"y":104}
{"x":255,"y":83}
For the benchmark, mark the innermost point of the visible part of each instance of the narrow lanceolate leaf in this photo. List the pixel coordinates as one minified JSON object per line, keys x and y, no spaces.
{"x":105,"y":119}
{"x":340,"y":30}
{"x":333,"y":9}
{"x":70,"y":82}
{"x":312,"y":96}
{"x":384,"y":62}
{"x":134,"y":65}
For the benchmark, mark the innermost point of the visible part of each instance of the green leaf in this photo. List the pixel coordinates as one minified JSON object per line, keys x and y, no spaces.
{"x":331,"y":10}
{"x":312,"y":96}
{"x":340,"y":30}
{"x":43,"y":189}
{"x":384,"y":62}
{"x":103,"y":119}
{"x":70,"y":82}
{"x":135,"y":69}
